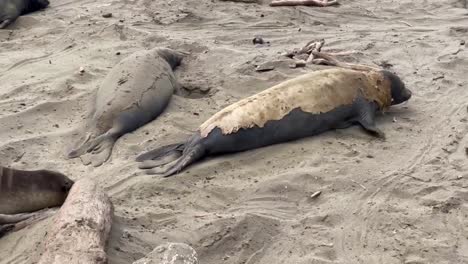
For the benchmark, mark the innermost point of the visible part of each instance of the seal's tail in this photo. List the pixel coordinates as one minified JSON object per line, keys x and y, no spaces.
{"x":95,"y":151}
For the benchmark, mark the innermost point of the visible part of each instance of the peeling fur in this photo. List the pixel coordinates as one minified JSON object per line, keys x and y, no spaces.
{"x":316,"y":92}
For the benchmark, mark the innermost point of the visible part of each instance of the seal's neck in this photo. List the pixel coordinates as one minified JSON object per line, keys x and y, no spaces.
{"x":33,"y":5}
{"x":379,"y":89}
{"x":172,"y":57}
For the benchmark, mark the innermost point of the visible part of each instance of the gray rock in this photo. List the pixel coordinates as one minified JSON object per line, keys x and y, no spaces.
{"x":170,"y":253}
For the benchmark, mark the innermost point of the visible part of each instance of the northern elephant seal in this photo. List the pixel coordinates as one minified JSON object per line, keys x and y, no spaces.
{"x":23,"y":191}
{"x":10,"y":10}
{"x":135,"y":92}
{"x":304,"y":106}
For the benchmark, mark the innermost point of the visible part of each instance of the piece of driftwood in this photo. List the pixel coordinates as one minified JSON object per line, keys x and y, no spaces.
{"x":314,"y":45}
{"x":307,"y":54}
{"x":328,"y":59}
{"x":79,"y":231}
{"x":170,"y":253}
{"x":320,"y":3}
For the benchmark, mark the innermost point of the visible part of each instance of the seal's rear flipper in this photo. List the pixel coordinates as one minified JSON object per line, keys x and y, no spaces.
{"x":95,"y":151}
{"x":161,"y":152}
{"x":170,"y":157}
{"x":190,"y":155}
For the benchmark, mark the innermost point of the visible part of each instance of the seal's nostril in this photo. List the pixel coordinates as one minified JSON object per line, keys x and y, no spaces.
{"x":407,"y":93}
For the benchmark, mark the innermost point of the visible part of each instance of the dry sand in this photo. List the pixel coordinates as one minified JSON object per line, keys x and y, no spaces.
{"x":399,"y":201}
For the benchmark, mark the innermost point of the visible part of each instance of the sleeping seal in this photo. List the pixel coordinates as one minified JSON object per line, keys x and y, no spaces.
{"x":304,"y":106}
{"x":10,"y":10}
{"x":135,"y":92}
{"x":24,"y":191}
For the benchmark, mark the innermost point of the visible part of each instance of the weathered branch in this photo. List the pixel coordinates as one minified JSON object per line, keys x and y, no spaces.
{"x":330,"y":60}
{"x":80,"y":229}
{"x":320,"y":3}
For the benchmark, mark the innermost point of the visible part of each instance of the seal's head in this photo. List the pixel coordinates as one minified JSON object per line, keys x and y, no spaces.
{"x":399,"y":92}
{"x":173,"y":57}
{"x":57,"y":181}
{"x":34,"y":5}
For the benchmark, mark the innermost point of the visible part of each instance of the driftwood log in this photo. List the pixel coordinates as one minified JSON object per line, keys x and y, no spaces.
{"x":80,"y":229}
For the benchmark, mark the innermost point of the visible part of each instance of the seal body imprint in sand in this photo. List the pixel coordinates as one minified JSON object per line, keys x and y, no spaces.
{"x":28,"y":191}
{"x":10,"y":10}
{"x":304,"y":106}
{"x":135,"y":92}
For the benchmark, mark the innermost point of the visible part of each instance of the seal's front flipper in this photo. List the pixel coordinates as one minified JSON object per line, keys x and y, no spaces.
{"x":366,"y":118}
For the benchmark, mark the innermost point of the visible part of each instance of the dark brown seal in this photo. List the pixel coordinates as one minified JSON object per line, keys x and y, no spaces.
{"x":10,"y":10}
{"x":24,"y":191}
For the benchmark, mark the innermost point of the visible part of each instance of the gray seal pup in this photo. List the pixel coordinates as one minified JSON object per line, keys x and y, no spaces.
{"x":304,"y":106}
{"x":10,"y":10}
{"x":23,"y":192}
{"x":136,"y":91}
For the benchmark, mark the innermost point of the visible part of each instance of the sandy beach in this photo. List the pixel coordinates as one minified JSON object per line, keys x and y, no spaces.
{"x":402,"y":200}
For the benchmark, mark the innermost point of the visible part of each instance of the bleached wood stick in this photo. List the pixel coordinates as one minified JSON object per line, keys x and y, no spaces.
{"x":330,"y":60}
{"x":320,"y":3}
{"x":80,"y":229}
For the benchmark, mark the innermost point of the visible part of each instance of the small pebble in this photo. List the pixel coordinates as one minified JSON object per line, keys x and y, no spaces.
{"x":107,"y":15}
{"x":82,"y":70}
{"x":258,"y":40}
{"x":298,"y":64}
{"x":462,"y":42}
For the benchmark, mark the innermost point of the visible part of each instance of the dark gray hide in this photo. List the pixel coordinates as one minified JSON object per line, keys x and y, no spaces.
{"x":10,"y":10}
